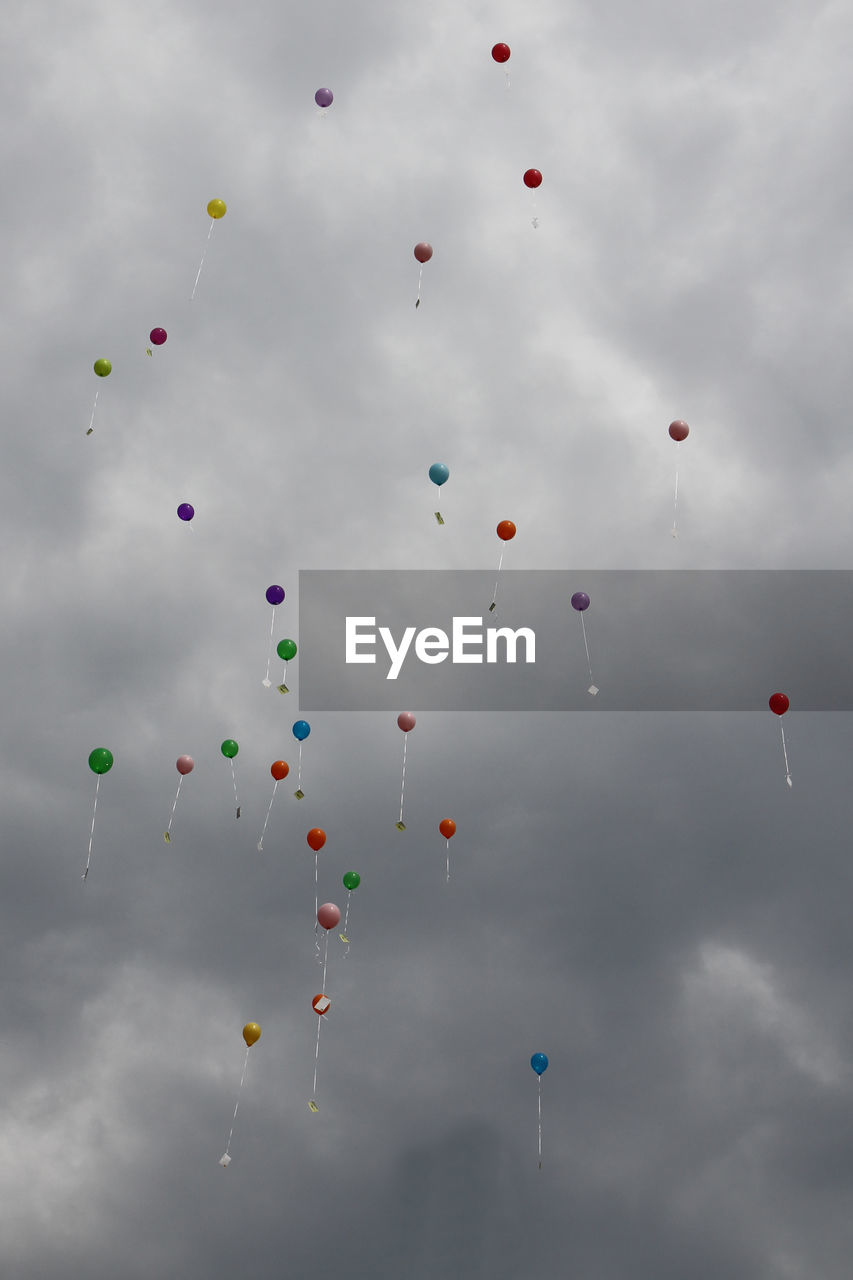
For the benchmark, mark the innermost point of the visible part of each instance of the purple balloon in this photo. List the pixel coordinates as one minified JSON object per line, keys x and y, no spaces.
{"x":185,"y":511}
{"x":275,"y":594}
{"x":580,"y":601}
{"x":324,"y":97}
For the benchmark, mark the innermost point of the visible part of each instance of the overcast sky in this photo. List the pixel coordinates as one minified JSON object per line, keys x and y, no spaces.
{"x":636,"y":894}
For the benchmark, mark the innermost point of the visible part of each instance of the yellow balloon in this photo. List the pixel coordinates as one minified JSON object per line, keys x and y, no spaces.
{"x":216,"y":208}
{"x":251,"y":1033}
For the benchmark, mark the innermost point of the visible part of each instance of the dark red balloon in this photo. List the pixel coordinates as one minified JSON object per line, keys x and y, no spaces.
{"x":158,"y":337}
{"x":679,"y":430}
{"x":500,"y":53}
{"x":533,"y":178}
{"x":423,"y":251}
{"x":779,"y":704}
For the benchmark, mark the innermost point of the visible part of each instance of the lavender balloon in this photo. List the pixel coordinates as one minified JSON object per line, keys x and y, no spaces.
{"x":324,"y":97}
{"x":580,"y":601}
{"x":275,"y":594}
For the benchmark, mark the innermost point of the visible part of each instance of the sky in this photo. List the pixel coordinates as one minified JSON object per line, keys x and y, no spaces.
{"x":637,"y":894}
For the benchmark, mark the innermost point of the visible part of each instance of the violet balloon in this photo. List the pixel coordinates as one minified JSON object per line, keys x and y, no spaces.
{"x":186,"y":511}
{"x":580,"y":601}
{"x":324,"y":97}
{"x":275,"y":594}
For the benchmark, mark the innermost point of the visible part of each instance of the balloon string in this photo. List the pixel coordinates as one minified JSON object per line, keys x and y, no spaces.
{"x":495,"y":594}
{"x":447,"y":842}
{"x":586,"y":646}
{"x":346,"y":922}
{"x":316,"y":1055}
{"x":267,"y":818}
{"x":507,"y":79}
{"x":316,"y":905}
{"x":234,"y":780}
{"x":785,"y":754}
{"x":325,"y":959}
{"x":420,"y":278}
{"x":174,"y":806}
{"x":94,"y":407}
{"x":92,"y":832}
{"x":203,"y":259}
{"x":675,"y":506}
{"x":237,"y":1103}
{"x":299,"y":770}
{"x":540,"y":1121}
{"x":269,"y":649}
{"x":403,"y":775}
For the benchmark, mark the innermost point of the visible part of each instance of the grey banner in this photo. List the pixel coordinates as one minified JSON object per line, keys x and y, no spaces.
{"x":668,"y":640}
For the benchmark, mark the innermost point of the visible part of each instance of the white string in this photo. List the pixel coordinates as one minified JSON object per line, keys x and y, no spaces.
{"x":420,"y":278}
{"x":94,"y":407}
{"x":167,"y":836}
{"x":317,"y":906}
{"x":317,"y":1055}
{"x":92,"y":832}
{"x":495,"y":594}
{"x":299,"y":770}
{"x":785,"y":754}
{"x":675,"y":505}
{"x":403,"y":776}
{"x":540,"y":1121}
{"x":203,"y":252}
{"x":267,"y":818}
{"x":586,"y":646}
{"x":325,"y":958}
{"x":447,"y":842}
{"x":346,"y":922}
{"x":236,"y":1105}
{"x":234,"y":780}
{"x":266,"y":680}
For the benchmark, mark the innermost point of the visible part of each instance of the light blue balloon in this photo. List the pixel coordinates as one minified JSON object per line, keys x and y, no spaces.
{"x":438,"y":473}
{"x":539,"y":1063}
{"x":301,"y":730}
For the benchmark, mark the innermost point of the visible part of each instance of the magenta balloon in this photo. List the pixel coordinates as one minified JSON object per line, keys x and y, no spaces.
{"x":580,"y":601}
{"x":184,"y":764}
{"x":406,"y":721}
{"x":329,"y":915}
{"x":158,"y":337}
{"x":324,"y":97}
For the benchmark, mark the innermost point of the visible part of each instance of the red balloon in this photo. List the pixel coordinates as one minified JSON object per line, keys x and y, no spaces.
{"x":447,"y":827}
{"x":423,"y":251}
{"x":506,"y":530}
{"x":500,"y":52}
{"x":679,"y":430}
{"x":406,"y":721}
{"x":279,"y":770}
{"x":779,"y":704}
{"x":329,"y":915}
{"x":184,"y":765}
{"x":316,"y":838}
{"x":533,"y":178}
{"x":321,"y":1004}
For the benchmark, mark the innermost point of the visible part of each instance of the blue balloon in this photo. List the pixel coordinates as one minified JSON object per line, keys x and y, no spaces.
{"x":539,"y":1063}
{"x":301,"y":730}
{"x":438,"y":473}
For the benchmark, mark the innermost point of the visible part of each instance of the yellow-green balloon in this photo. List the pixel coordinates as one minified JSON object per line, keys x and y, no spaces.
{"x":217,"y":208}
{"x":101,"y":760}
{"x":102,"y":368}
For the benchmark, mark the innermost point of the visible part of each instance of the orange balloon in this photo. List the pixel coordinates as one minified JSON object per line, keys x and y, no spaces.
{"x":316,"y":838}
{"x":279,"y":769}
{"x":447,"y":827}
{"x":506,"y":530}
{"x":321,"y":1004}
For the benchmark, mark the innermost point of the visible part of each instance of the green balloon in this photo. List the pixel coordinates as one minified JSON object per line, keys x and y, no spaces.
{"x":101,"y":760}
{"x":102,"y":367}
{"x":229,"y":748}
{"x":351,"y":879}
{"x":286,"y":649}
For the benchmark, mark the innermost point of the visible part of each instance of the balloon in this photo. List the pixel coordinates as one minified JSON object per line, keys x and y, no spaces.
{"x":316,"y":838}
{"x":324,"y":97}
{"x":423,"y":251}
{"x":406,"y":721}
{"x":351,"y":880}
{"x":217,"y":208}
{"x":102,"y":368}
{"x":301,"y":730}
{"x":184,"y":765}
{"x":679,"y":430}
{"x":329,"y":915}
{"x":500,"y":52}
{"x":506,"y":530}
{"x":533,"y":178}
{"x":779,"y":704}
{"x":229,"y":748}
{"x":439,"y":473}
{"x":279,"y":770}
{"x":580,"y":601}
{"x":447,"y":827}
{"x":321,"y":1004}
{"x":286,"y":649}
{"x":101,"y":760}
{"x":539,"y":1063}
{"x":158,"y":337}
{"x":186,"y":511}
{"x":251,"y":1033}
{"x":275,"y":594}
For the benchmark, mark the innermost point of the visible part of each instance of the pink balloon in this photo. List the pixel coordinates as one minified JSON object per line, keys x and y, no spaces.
{"x":185,"y":764}
{"x":406,"y":721}
{"x":329,"y":915}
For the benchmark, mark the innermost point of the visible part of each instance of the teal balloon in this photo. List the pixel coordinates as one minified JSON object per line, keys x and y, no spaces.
{"x":101,"y":760}
{"x":539,"y":1063}
{"x":351,"y":879}
{"x":301,"y":730}
{"x":439,"y":473}
{"x":229,"y":748}
{"x":286,"y":649}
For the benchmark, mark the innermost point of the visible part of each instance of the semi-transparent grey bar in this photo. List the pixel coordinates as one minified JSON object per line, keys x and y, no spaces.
{"x":668,"y":640}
